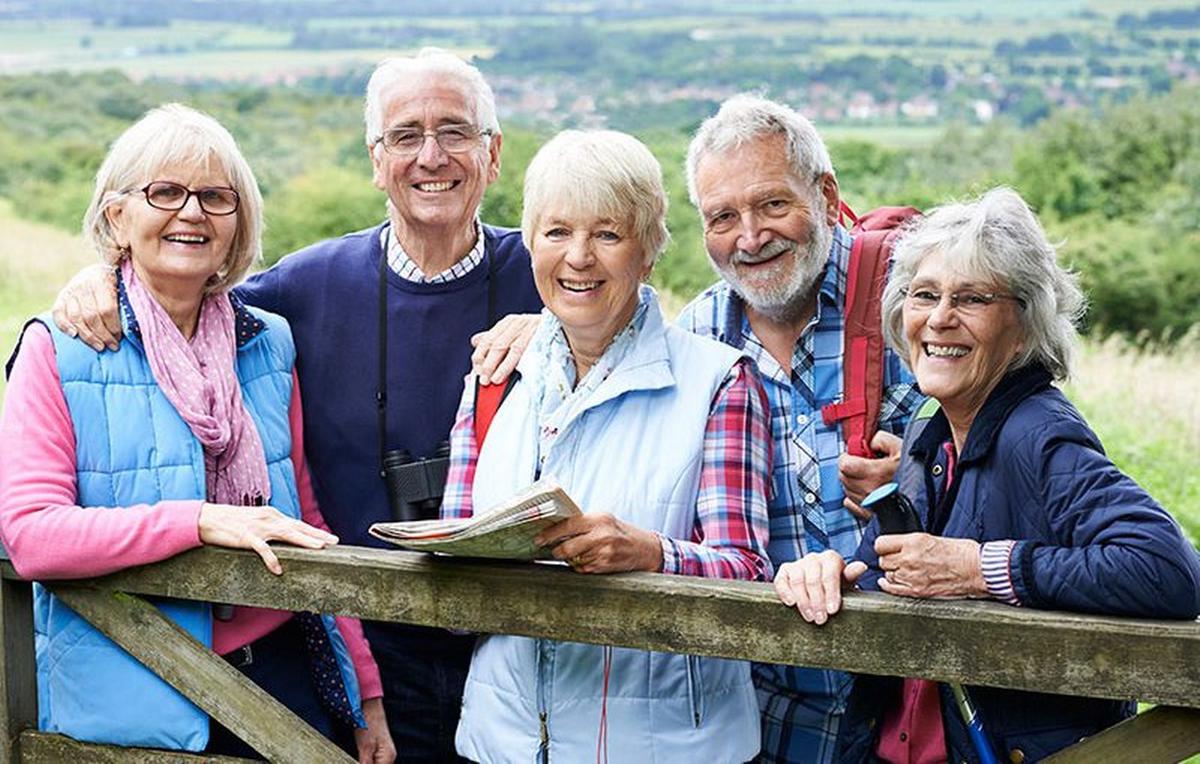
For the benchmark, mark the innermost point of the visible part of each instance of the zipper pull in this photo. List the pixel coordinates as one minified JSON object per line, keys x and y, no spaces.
{"x":544,"y":733}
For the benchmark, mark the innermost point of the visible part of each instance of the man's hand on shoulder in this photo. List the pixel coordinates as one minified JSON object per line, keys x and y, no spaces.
{"x":499,"y":349}
{"x":87,"y":308}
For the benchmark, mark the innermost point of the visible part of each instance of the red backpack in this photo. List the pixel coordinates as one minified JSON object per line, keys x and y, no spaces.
{"x":875,"y":234}
{"x":487,"y":402}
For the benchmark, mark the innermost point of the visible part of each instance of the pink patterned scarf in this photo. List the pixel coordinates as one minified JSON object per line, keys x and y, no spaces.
{"x":200,"y":381}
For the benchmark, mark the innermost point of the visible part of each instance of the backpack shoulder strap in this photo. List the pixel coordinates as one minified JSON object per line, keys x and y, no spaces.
{"x":875,"y":234}
{"x":487,"y":402}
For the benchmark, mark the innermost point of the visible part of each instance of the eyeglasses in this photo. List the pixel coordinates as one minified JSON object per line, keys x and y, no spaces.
{"x":453,"y":139}
{"x":172,"y":197}
{"x":967,"y":301}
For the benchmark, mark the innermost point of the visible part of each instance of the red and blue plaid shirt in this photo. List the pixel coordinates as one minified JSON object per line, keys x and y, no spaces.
{"x":802,"y":707}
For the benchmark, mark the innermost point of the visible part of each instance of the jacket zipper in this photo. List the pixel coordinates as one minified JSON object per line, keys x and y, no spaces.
{"x":543,"y":648}
{"x":545,"y":737}
{"x":694,"y":686}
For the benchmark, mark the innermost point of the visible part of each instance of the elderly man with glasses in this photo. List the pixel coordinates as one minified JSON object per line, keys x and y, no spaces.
{"x":382,"y":320}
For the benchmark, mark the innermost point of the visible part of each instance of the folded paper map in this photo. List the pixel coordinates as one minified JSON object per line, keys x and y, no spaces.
{"x":505,"y":531}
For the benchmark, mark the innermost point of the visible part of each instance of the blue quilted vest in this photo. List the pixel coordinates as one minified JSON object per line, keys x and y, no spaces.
{"x":635,"y":450}
{"x":132,"y":447}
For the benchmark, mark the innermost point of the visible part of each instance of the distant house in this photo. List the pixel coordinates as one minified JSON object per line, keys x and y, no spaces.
{"x":919,"y":108}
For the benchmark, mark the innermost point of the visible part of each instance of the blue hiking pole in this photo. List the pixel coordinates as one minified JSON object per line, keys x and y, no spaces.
{"x":897,"y":515}
{"x":979,"y":738}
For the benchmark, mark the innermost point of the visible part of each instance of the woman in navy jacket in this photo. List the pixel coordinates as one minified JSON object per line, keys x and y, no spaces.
{"x":1019,"y":500}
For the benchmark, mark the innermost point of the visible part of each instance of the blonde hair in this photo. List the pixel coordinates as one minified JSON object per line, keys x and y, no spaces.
{"x":174,"y":134}
{"x":603,"y":172}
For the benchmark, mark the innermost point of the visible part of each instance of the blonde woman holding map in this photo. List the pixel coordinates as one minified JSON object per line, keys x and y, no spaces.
{"x":661,"y":438}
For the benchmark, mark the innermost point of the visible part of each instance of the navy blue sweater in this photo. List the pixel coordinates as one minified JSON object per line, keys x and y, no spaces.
{"x":329,"y":294}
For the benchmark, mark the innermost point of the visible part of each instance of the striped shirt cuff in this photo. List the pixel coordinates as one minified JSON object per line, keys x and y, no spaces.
{"x":672,"y":562}
{"x":994,"y":558}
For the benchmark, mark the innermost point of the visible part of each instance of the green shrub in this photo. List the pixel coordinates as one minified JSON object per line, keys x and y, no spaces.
{"x":322,"y":203}
{"x":1140,"y":279}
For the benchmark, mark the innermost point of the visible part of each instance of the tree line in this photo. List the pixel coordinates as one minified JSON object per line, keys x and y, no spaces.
{"x":1117,"y":187}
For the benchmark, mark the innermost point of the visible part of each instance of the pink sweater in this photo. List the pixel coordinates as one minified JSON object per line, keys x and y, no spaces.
{"x":48,"y":536}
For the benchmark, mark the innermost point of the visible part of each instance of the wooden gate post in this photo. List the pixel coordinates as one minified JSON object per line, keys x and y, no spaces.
{"x":18,"y":677}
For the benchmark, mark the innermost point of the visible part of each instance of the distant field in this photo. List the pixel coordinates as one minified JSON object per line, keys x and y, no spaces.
{"x":232,"y":63}
{"x":923,"y":31}
{"x":182,"y":49}
{"x":936,"y":8}
{"x":1117,"y":7}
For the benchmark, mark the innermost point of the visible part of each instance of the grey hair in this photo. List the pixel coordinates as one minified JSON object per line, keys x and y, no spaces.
{"x":995,"y":238}
{"x":744,"y":118}
{"x":174,"y":134}
{"x":600,"y":172}
{"x":428,"y":61}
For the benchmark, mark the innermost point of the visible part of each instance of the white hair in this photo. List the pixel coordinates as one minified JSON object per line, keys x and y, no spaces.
{"x":174,"y":134}
{"x":428,"y":61}
{"x":599,"y":172}
{"x":995,"y":238}
{"x":744,"y":118}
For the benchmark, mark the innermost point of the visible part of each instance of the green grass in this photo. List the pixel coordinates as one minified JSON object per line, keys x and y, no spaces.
{"x":1145,"y":406}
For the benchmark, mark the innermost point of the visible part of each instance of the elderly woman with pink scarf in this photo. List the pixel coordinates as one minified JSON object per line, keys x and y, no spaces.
{"x":188,"y":433}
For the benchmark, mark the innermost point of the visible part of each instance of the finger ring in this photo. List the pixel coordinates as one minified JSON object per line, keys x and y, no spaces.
{"x":890,"y":576}
{"x":576,"y":561}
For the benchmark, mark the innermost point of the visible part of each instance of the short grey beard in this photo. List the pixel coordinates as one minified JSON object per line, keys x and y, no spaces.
{"x":794,"y":297}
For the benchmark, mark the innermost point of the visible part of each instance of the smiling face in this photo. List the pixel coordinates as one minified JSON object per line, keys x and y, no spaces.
{"x":767,"y":231}
{"x":959,"y":358}
{"x":587,"y":270}
{"x":433,"y":192}
{"x":174,"y":252}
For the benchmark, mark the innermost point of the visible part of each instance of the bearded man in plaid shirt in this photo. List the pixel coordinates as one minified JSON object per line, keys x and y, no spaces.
{"x":762,"y":179}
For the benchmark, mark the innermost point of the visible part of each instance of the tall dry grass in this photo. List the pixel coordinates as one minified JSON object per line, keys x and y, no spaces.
{"x":35,"y":261}
{"x":1145,"y":406}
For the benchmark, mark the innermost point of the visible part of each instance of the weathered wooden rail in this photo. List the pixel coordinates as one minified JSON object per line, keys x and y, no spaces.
{"x":971,"y":642}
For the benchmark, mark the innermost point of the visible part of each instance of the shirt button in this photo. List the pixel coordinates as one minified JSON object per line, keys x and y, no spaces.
{"x":937,"y":470}
{"x":903,"y":737}
{"x":810,"y":498}
{"x":801,"y":420}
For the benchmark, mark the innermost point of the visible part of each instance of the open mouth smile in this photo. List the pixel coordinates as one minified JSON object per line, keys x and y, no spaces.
{"x":186,"y":238}
{"x":768,"y":253}
{"x":436,"y":186}
{"x":945,"y":351}
{"x":579,"y":287}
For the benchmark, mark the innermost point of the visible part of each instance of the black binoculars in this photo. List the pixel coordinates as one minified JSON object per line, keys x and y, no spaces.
{"x":895,"y":512}
{"x":415,"y":486}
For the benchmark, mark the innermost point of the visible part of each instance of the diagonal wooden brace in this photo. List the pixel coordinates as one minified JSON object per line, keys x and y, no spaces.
{"x":1161,"y":735}
{"x":207,"y":680}
{"x":49,"y":748}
